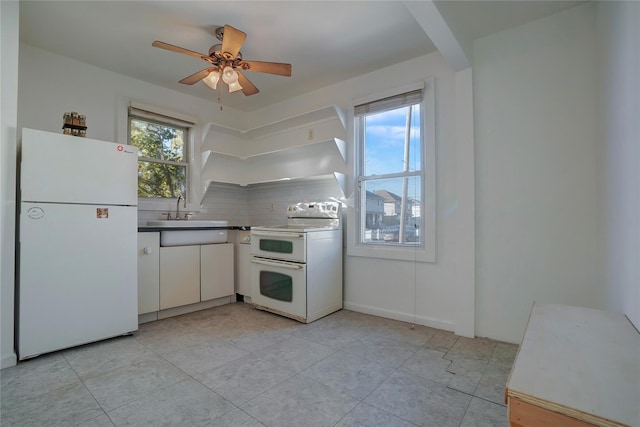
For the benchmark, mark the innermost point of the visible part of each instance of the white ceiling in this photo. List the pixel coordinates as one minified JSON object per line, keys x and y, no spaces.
{"x":325,"y":41}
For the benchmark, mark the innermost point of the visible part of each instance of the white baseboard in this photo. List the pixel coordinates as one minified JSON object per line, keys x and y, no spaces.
{"x":445,"y":325}
{"x":176,"y":311}
{"x":147,"y":317}
{"x":9,"y":361}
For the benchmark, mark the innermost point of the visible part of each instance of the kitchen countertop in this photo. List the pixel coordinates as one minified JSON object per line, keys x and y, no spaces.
{"x":146,"y":228}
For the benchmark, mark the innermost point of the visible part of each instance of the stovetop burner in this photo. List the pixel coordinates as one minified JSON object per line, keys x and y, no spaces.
{"x":300,"y":228}
{"x":309,"y":216}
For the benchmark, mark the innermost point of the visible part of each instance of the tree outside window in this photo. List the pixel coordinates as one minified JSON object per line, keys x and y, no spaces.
{"x":162,"y":168}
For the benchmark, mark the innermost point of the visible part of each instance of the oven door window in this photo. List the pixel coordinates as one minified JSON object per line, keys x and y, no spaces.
{"x":277,"y":286}
{"x":276,"y":246}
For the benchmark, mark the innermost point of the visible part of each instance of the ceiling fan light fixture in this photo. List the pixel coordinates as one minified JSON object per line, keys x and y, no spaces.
{"x":229,"y":75}
{"x":224,"y":59}
{"x":212,"y":79}
{"x":235,"y":86}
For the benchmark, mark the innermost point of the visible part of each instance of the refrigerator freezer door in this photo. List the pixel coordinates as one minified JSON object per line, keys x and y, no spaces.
{"x":78,"y":275}
{"x":66,"y":169}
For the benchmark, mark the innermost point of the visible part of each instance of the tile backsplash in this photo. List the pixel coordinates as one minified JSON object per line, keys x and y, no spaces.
{"x":264,"y":204}
{"x":258,"y":204}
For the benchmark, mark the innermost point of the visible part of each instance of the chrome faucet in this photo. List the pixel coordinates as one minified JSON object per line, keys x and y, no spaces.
{"x":178,"y":206}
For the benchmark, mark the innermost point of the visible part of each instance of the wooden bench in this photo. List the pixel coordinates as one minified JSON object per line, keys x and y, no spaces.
{"x":576,"y":367}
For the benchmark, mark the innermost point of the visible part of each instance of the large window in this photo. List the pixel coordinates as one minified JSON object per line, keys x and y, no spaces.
{"x":163,"y":168}
{"x":395,"y":174}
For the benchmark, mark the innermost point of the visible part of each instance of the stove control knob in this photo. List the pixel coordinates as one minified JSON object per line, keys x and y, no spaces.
{"x":246,"y":239}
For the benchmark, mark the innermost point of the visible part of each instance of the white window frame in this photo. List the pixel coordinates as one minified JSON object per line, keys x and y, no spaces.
{"x":426,"y":250}
{"x":193,"y":173}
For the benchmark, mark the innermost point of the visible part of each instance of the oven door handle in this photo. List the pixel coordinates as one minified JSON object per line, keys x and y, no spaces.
{"x":276,"y":234}
{"x":288,"y":265}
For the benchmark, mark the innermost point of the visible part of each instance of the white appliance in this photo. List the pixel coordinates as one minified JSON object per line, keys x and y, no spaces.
{"x":296,"y":270}
{"x":77,"y":275}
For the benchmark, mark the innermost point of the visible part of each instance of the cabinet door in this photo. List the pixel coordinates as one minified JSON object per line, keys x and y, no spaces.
{"x":179,"y":276}
{"x":148,"y":272}
{"x":216,"y":271}
{"x":243,"y":270}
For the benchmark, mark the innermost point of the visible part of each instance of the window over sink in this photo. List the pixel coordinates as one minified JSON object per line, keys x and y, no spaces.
{"x":163,"y":145}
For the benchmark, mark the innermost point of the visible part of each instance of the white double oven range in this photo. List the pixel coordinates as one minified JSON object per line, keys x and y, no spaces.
{"x":296,"y":269}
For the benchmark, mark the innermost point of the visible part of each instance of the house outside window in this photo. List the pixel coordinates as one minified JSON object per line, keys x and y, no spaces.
{"x":163,"y":143}
{"x":395,"y":169}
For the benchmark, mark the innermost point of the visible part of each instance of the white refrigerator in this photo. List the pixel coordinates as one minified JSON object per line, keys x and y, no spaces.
{"x":77,"y":242}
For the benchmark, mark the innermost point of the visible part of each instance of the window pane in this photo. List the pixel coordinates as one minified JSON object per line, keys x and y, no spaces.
{"x":158,"y":141}
{"x":384,"y":144}
{"x":386,"y":213}
{"x":161,"y":180}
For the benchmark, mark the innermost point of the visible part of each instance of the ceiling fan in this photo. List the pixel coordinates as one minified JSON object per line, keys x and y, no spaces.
{"x":226,"y":63}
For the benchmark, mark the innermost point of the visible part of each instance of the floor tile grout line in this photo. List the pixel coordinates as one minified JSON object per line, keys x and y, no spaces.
{"x":473,"y":395}
{"x":379,"y":409}
{"x":293,"y":374}
{"x":86,"y":388}
{"x":60,"y":352}
{"x":465,"y":412}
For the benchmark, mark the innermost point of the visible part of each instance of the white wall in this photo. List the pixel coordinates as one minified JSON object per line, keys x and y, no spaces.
{"x":9,"y":14}
{"x":420,"y":292}
{"x":71,"y":85}
{"x":537,"y":170}
{"x":619,"y":29}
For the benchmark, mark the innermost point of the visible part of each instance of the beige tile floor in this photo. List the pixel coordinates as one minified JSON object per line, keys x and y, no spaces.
{"x":237,"y":366}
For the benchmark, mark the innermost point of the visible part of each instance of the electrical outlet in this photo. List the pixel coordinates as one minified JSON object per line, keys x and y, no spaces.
{"x":310,"y":135}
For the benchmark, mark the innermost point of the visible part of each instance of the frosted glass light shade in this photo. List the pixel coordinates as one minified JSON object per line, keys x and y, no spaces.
{"x":229,"y":75}
{"x":235,"y":86}
{"x":212,"y":79}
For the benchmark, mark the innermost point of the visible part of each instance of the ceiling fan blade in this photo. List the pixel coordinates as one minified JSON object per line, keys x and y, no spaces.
{"x":266,"y":67}
{"x":196,"y":77}
{"x":247,"y":87}
{"x":178,"y":49}
{"x":232,"y":40}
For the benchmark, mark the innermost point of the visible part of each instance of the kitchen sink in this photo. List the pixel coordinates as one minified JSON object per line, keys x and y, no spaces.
{"x":185,"y":236}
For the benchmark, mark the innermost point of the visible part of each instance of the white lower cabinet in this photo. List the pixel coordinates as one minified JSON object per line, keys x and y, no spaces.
{"x":216,"y":271}
{"x":148,"y":272}
{"x":174,"y":276}
{"x":179,"y":276}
